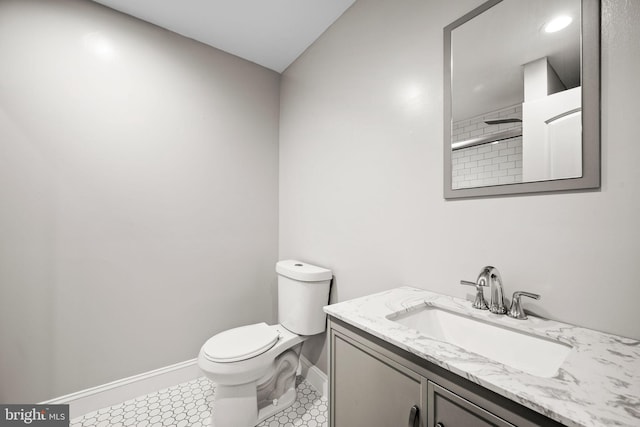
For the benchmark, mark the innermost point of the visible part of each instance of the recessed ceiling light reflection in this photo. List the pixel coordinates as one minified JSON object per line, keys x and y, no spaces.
{"x":557,"y":24}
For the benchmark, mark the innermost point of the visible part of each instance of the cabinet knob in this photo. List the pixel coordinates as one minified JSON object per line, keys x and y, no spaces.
{"x":413,"y":415}
{"x":439,"y":425}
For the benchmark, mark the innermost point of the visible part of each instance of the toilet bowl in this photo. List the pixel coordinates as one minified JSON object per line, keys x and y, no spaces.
{"x":253,"y":367}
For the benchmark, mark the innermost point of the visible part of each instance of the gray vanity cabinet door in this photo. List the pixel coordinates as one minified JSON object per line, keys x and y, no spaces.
{"x":370,"y":391}
{"x":447,"y":409}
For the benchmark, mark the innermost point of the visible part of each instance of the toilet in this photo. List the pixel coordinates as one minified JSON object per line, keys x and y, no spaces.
{"x":254,"y":367}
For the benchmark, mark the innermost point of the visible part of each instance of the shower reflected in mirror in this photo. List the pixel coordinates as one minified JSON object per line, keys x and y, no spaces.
{"x":522,"y":98}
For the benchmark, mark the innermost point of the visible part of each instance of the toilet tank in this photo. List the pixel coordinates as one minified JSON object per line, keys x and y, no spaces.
{"x":303,"y":289}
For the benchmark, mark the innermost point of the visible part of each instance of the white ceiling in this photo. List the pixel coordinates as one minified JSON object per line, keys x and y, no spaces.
{"x":272,"y":33}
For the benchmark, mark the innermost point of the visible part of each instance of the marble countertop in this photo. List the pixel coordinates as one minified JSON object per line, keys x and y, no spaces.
{"x":597,"y":385}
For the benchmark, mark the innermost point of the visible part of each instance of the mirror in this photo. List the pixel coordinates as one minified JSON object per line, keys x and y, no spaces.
{"x":522,"y":98}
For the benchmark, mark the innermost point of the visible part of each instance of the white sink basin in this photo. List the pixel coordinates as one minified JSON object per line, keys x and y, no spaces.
{"x":529,"y":353}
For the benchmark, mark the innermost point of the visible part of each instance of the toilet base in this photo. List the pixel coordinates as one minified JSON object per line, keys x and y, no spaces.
{"x":234,"y":406}
{"x":286,"y":400}
{"x":246,"y":405}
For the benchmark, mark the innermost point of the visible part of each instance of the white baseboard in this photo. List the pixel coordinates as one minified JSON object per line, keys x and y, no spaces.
{"x":92,"y":399}
{"x":314,"y":376}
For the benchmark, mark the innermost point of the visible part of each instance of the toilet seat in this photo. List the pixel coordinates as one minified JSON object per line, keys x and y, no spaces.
{"x":240,"y":343}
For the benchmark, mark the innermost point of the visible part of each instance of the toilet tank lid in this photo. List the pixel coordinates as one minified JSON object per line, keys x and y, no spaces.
{"x":302,"y":271}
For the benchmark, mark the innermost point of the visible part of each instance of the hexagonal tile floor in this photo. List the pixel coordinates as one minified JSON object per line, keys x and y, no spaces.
{"x":187,"y":404}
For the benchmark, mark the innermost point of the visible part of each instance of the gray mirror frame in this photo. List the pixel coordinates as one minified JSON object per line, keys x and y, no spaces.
{"x":590,"y":63}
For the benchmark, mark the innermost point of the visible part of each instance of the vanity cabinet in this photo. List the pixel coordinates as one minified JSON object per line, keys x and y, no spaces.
{"x":449,"y":409}
{"x":372,"y":390}
{"x":375,"y":384}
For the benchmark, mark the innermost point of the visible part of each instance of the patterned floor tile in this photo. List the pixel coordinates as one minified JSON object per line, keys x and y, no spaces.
{"x":187,"y":405}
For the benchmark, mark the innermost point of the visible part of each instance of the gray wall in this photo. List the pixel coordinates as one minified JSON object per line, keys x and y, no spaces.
{"x":361,"y":175}
{"x":138,"y":189}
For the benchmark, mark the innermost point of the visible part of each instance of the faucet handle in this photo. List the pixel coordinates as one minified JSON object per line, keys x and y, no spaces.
{"x":516,"y":310}
{"x":479,"y":302}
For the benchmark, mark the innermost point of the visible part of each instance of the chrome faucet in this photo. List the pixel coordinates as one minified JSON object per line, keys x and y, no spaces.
{"x":516,"y":310}
{"x":491,"y":275}
{"x":479,"y":302}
